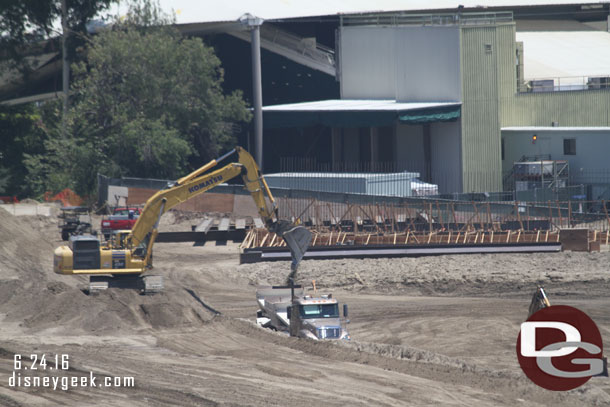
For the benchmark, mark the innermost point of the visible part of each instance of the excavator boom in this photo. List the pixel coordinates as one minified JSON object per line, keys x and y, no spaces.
{"x":132,"y":254}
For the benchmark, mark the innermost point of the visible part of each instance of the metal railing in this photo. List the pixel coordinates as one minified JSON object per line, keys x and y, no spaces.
{"x":440,"y":215}
{"x":314,"y":50}
{"x":396,"y":19}
{"x":563,"y":84}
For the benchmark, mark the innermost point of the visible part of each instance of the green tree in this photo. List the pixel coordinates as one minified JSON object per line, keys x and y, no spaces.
{"x":20,"y":133}
{"x":145,"y":101}
{"x":25,"y":22}
{"x":27,"y":30}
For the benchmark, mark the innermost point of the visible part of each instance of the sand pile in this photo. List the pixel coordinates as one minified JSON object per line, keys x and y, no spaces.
{"x":39,"y":299}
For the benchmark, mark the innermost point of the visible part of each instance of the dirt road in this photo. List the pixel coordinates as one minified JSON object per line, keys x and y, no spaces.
{"x":424,"y":331}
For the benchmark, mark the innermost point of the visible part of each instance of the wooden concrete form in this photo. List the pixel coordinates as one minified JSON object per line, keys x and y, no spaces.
{"x":261,"y":238}
{"x":261,"y":245}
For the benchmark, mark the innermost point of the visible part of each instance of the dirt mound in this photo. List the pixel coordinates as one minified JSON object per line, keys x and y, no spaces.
{"x":475,"y":274}
{"x":21,"y":247}
{"x":167,"y":314}
{"x":425,"y":365}
{"x":40,"y":300}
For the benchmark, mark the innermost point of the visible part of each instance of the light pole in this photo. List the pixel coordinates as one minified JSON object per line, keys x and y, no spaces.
{"x":65,"y":66}
{"x":254,"y":24}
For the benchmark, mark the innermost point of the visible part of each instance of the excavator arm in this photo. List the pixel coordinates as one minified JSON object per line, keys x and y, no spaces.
{"x":144,"y":232}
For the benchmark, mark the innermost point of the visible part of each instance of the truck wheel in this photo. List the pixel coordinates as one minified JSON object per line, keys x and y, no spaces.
{"x":65,"y":236}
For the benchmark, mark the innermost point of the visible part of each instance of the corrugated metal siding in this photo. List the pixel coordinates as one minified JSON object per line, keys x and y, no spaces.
{"x":569,"y":108}
{"x":491,"y":101}
{"x":507,"y":60}
{"x":576,"y":108}
{"x":481,"y":163}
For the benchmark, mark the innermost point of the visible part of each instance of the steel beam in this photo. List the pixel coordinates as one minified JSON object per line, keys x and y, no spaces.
{"x":259,"y":254}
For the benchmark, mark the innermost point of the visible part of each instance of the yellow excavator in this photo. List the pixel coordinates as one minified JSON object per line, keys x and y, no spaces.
{"x":123,"y":260}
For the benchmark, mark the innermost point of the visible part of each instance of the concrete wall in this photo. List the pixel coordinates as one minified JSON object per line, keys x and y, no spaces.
{"x":117,"y":196}
{"x":27,"y":209}
{"x":207,"y":202}
{"x":414,"y":64}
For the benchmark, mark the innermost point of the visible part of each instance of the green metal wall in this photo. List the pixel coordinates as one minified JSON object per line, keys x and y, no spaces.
{"x":588,"y":108}
{"x":481,"y":161}
{"x":491,"y":101}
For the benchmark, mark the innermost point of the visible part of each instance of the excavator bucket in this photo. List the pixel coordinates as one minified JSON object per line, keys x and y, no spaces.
{"x":297,"y":239}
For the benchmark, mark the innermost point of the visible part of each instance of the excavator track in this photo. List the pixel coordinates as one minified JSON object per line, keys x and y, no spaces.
{"x":146,"y":285}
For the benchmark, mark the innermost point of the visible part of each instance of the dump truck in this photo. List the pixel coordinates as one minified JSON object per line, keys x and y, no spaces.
{"x":124,"y":260}
{"x":289,"y":309}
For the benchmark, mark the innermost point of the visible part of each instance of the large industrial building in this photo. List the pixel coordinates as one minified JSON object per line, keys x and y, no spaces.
{"x":444,"y":94}
{"x":452,"y":91}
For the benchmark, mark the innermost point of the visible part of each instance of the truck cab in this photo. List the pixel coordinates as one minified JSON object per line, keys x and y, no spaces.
{"x":289,"y":309}
{"x":317,"y":318}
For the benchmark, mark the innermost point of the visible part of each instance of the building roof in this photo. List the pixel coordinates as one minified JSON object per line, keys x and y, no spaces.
{"x":554,"y":129}
{"x":570,"y":55}
{"x":212,"y":11}
{"x":355,"y":105}
{"x":358,"y":113}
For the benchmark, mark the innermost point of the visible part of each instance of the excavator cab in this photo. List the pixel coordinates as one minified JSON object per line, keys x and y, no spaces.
{"x":120,"y":238}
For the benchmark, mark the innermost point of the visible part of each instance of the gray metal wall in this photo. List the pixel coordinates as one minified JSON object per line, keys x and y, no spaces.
{"x":592,"y":147}
{"x":427,"y":63}
{"x":367,"y":63}
{"x":445,"y":156}
{"x":410,"y":148}
{"x":412,"y":64}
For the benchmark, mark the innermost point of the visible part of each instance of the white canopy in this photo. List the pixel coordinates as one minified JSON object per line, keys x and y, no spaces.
{"x":573,"y":56}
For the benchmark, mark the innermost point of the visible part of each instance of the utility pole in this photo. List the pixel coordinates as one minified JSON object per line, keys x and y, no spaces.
{"x":254,"y":24}
{"x":65,"y":66}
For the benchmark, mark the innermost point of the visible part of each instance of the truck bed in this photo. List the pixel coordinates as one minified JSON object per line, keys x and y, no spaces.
{"x":274,"y":300}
